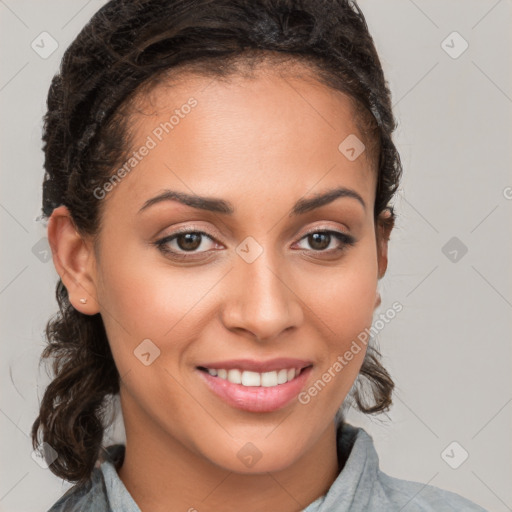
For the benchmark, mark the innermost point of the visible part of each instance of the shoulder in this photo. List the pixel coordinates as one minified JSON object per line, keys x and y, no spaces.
{"x":374,"y":490}
{"x":421,"y":497}
{"x":93,"y":496}
{"x":90,"y":497}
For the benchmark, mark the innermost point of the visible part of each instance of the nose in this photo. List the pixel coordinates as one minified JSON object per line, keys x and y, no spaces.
{"x":261,"y":301}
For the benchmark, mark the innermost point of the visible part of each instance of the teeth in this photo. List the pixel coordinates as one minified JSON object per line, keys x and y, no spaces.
{"x":235,"y":376}
{"x":270,"y":379}
{"x":285,"y":375}
{"x":251,"y":379}
{"x":246,"y":378}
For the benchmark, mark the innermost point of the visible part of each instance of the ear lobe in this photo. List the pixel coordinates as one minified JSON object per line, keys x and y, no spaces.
{"x":385,"y":223}
{"x":73,"y":258}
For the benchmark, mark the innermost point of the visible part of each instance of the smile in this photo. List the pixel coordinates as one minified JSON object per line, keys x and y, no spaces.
{"x":248,"y":378}
{"x":256,"y":391}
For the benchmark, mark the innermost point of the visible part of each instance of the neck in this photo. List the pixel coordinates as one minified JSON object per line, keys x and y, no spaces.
{"x":162,"y":474}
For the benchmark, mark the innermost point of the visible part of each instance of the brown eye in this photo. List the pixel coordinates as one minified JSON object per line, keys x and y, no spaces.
{"x":182,"y":242}
{"x":319,"y":241}
{"x":188,"y":241}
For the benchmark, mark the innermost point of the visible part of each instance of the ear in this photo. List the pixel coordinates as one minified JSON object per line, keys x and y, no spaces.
{"x":74,"y":260}
{"x":384,"y":224}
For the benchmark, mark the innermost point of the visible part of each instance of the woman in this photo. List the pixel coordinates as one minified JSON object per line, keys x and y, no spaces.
{"x":218,"y":183}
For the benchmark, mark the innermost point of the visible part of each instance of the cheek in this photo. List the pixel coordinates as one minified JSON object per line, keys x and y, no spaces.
{"x":352,"y":300}
{"x":344,"y":297}
{"x":143,"y":297}
{"x":343,"y":305}
{"x":343,"y":311}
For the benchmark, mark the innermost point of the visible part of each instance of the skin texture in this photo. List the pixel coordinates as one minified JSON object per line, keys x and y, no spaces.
{"x":261,"y":144}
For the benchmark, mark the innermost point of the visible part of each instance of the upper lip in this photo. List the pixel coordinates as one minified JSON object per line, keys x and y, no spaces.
{"x":258,"y":366}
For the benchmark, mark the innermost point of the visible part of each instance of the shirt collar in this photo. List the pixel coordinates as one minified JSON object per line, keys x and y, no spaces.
{"x":352,"y":489}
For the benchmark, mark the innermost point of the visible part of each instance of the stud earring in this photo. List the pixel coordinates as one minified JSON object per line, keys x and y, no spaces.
{"x":83,"y":301}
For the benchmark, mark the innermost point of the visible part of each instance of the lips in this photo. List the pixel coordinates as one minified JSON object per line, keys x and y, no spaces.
{"x":260,"y":398}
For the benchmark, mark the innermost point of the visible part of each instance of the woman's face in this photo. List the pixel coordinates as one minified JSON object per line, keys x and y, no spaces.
{"x":253,"y":286}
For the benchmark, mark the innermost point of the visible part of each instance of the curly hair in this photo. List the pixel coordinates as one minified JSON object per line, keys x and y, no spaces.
{"x":127,"y":47}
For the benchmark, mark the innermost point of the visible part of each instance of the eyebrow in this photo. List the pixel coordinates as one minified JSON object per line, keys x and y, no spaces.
{"x":221,"y":206}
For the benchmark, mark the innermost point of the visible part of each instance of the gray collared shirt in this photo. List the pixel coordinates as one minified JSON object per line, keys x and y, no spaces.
{"x":360,"y":486}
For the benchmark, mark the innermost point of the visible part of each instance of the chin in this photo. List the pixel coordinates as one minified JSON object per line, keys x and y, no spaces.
{"x":254,"y":457}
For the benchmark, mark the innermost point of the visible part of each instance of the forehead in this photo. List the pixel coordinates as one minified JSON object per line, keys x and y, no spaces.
{"x":244,"y":133}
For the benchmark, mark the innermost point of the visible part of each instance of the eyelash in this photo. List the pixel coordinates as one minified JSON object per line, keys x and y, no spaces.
{"x":162,"y":244}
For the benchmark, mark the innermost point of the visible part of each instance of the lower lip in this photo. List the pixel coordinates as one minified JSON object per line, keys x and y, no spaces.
{"x":256,"y":398}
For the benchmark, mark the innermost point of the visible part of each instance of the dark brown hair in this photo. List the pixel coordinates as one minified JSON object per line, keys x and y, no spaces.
{"x":127,"y":47}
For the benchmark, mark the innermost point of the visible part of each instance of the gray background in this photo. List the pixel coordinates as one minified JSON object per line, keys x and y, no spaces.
{"x":449,"y":350}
